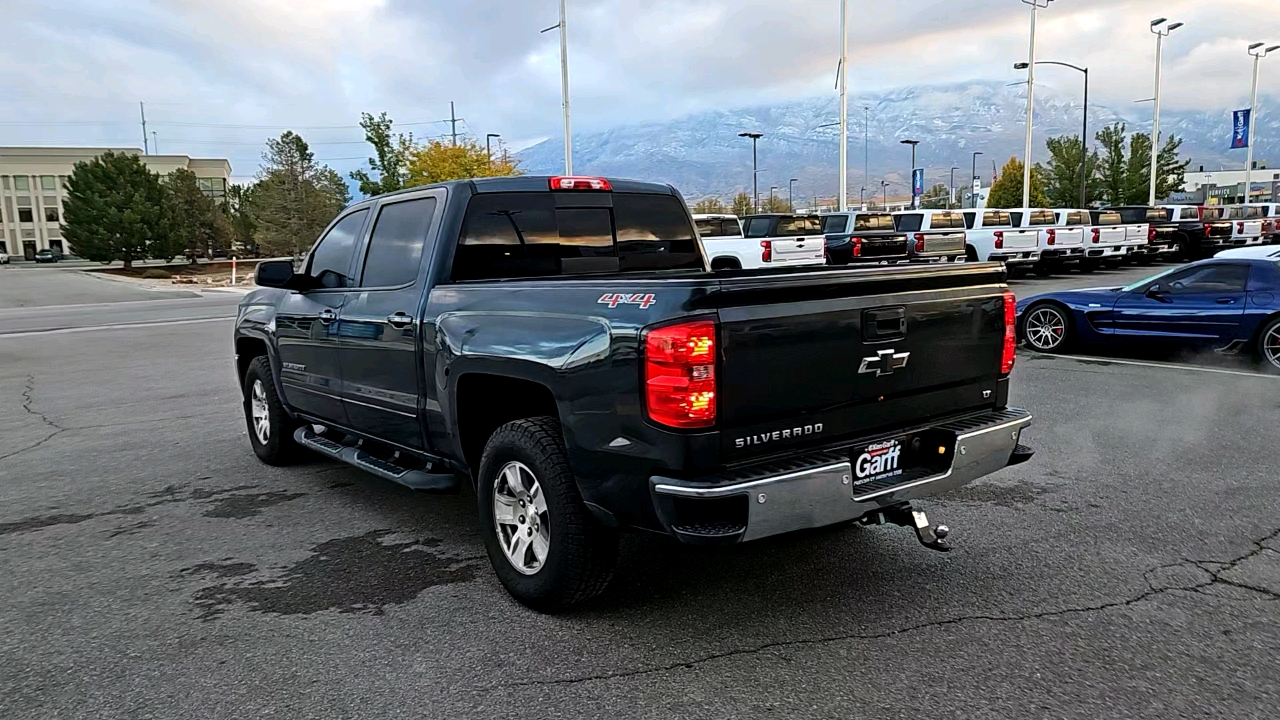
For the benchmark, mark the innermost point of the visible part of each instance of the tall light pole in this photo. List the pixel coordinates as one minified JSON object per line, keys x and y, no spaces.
{"x":1031,"y":99}
{"x":755,"y":172}
{"x":951,"y":198}
{"x":488,"y":149}
{"x":973,"y":199}
{"x":791,"y":186}
{"x":1161,"y":33}
{"x":771,"y":189}
{"x":844,"y":106}
{"x":1253,"y":114}
{"x":1084,"y":131}
{"x":866,"y":146}
{"x":884,"y":188}
{"x":564,"y":87}
{"x":913,"y":144}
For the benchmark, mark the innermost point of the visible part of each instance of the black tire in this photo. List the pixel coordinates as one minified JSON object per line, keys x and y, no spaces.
{"x":1268,"y":346}
{"x":581,"y":552}
{"x":279,"y":447}
{"x":1016,"y":272}
{"x":970,"y":254}
{"x":1040,"y":314}
{"x":1146,"y":259}
{"x":1089,"y":265}
{"x":1044,"y":269}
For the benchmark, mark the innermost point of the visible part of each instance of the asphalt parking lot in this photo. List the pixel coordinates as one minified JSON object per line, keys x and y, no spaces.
{"x":154,"y":569}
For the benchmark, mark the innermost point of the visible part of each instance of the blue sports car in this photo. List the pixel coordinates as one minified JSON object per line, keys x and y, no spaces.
{"x":1230,"y":303}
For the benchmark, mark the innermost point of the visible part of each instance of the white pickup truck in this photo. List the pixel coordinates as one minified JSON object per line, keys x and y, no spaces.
{"x":1058,"y":245}
{"x":786,"y":240}
{"x":991,"y":236}
{"x":1107,"y":241}
{"x":722,"y":241}
{"x":1271,"y":221}
{"x":1246,"y":224}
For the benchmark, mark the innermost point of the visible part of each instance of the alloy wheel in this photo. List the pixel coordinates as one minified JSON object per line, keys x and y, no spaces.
{"x":260,"y":412}
{"x":1045,"y":329}
{"x":520,"y":518}
{"x":1271,"y":346}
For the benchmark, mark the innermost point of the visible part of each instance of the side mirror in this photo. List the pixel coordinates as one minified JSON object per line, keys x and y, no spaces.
{"x":276,"y":274}
{"x":1155,"y":292}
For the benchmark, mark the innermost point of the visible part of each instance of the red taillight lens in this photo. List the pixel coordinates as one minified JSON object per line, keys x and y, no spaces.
{"x":766,"y":251}
{"x":999,"y":239}
{"x":1151,"y":234}
{"x":579,"y":182}
{"x":1053,"y":236}
{"x":1097,"y":234}
{"x":857,"y":247}
{"x":1239,"y":228}
{"x":680,"y":374}
{"x":1208,"y":227}
{"x":1010,"y":333}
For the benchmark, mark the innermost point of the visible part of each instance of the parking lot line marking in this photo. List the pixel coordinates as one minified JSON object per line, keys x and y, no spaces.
{"x":1166,"y":366}
{"x":118,"y":326}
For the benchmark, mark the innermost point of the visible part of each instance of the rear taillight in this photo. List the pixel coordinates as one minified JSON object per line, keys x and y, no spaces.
{"x":1208,"y":227}
{"x":1097,"y":235}
{"x":1053,"y":236}
{"x":1151,"y":234}
{"x":766,"y":251}
{"x":680,"y":374}
{"x":579,"y":182}
{"x":1010,"y":333}
{"x":857,"y":246}
{"x":1239,"y":228}
{"x":919,"y":242}
{"x":999,"y":239}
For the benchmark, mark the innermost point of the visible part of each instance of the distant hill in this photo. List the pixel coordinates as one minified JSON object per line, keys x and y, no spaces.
{"x":702,"y":154}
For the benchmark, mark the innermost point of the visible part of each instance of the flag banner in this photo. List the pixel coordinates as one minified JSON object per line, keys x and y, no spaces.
{"x":1240,"y":129}
{"x":917,"y":182}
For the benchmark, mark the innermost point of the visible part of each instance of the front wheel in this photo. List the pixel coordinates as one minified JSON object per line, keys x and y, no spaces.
{"x":270,"y":427}
{"x":1269,"y":346}
{"x":547,"y":549}
{"x":1047,"y":328}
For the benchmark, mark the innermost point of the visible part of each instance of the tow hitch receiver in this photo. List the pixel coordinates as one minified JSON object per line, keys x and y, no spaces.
{"x":930,"y":536}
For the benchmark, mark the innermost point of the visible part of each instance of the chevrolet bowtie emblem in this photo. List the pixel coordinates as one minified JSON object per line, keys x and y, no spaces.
{"x":884,"y":363}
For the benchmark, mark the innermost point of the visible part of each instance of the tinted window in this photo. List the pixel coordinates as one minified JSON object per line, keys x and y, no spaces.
{"x":947,"y":221}
{"x":1250,"y":212}
{"x":1042,"y":217}
{"x":654,"y":233}
{"x":909,"y":223}
{"x":1015,"y":218}
{"x":1208,"y":279}
{"x":757,"y":227}
{"x":798,"y":226}
{"x":716,"y":227}
{"x":396,"y":244}
{"x":995,"y":219}
{"x":511,"y":235}
{"x":1077,"y":218}
{"x":1189,"y":213}
{"x":969,"y":219}
{"x":1107,"y":218}
{"x":868,"y":222}
{"x":1211,"y":213}
{"x":1157,"y":215}
{"x":331,"y":259}
{"x":1235,"y":213}
{"x":833,"y":224}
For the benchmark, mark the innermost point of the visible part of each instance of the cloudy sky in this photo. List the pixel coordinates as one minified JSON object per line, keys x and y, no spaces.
{"x":219,"y":76}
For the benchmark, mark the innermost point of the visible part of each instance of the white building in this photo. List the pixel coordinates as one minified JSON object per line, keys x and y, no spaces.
{"x":1226,"y":187}
{"x":33,"y":187}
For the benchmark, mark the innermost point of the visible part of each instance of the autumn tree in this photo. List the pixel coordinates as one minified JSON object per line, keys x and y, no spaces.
{"x":742,"y":204}
{"x":116,"y":209}
{"x":391,"y":156}
{"x":438,"y":161}
{"x":937,"y":196}
{"x":710,"y":205}
{"x":1007,"y":191}
{"x":776,"y":204}
{"x":294,"y":198}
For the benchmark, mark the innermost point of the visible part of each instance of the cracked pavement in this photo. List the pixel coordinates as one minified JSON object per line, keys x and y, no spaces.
{"x":155,"y":569}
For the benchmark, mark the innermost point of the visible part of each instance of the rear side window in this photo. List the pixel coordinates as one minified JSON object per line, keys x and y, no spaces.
{"x":969,"y":219}
{"x":397,"y":242}
{"x":514,"y":235}
{"x":910,"y":223}
{"x":995,"y":219}
{"x":833,"y":224}
{"x":331,"y":259}
{"x":757,"y":227}
{"x":947,"y":221}
{"x":799,"y":226}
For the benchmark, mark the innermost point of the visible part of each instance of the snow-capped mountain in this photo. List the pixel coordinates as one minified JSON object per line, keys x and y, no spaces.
{"x":702,"y":154}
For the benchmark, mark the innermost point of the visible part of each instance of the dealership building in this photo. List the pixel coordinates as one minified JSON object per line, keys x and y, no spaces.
{"x":33,"y":188}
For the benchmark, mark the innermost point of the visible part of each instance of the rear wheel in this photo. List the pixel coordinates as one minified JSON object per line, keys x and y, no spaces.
{"x":1269,"y":346}
{"x":1089,"y":265}
{"x":970,"y":254}
{"x":547,"y":549}
{"x":270,"y":427}
{"x":1046,"y":328}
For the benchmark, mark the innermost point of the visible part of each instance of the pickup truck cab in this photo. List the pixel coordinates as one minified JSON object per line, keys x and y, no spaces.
{"x":1201,"y":230}
{"x":933,"y":235}
{"x":559,"y":344}
{"x":787,"y":239}
{"x":1246,"y":224}
{"x":723,"y":243}
{"x":1161,"y":232}
{"x":859,"y":237}
{"x":1058,"y":245}
{"x":991,"y":236}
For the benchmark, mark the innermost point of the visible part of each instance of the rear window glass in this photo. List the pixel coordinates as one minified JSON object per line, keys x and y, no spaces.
{"x":1041,"y":217}
{"x":832,"y":224}
{"x":1157,"y":215}
{"x":711,"y":228}
{"x":1076,"y":218}
{"x":910,"y":223}
{"x":1107,"y":218}
{"x":946,"y":221}
{"x":1211,"y":213}
{"x":513,"y":235}
{"x":1235,"y":213}
{"x":866,"y":222}
{"x":995,"y":219}
{"x":799,"y":226}
{"x":1189,"y":213}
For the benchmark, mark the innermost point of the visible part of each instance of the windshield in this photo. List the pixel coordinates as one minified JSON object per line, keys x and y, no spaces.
{"x":1145,"y":281}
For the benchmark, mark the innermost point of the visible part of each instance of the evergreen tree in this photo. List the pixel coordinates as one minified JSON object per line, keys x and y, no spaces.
{"x":1112,"y":165}
{"x":709,"y":205}
{"x":240,"y":216}
{"x":1006,"y":192}
{"x":1062,"y":173}
{"x":199,"y":225}
{"x":116,"y":209}
{"x":392,"y":156}
{"x":294,"y":198}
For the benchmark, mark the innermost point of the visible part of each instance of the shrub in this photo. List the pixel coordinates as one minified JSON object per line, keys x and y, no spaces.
{"x":157,"y":274}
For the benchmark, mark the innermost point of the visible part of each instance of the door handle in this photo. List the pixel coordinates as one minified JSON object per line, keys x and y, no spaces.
{"x":328,"y":316}
{"x":399,"y":320}
{"x":1226,"y":301}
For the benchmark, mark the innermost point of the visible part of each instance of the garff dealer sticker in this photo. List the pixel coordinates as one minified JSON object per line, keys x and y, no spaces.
{"x":879,"y":461}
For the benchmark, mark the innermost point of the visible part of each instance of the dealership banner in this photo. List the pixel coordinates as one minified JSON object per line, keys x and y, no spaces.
{"x":1240,"y":129}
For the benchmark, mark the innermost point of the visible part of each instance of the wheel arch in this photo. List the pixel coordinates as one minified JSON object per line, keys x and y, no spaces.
{"x":485,"y":402}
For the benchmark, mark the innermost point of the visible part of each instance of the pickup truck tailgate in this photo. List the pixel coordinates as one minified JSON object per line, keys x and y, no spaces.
{"x":1110,"y":235}
{"x":939,"y":243}
{"x":847,"y":353}
{"x":798,"y":250}
{"x":1021,"y":239}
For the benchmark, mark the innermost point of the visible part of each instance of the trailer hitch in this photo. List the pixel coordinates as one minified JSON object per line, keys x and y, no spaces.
{"x":930,"y":536}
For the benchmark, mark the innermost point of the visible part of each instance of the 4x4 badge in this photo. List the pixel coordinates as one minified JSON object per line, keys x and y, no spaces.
{"x":884,"y":363}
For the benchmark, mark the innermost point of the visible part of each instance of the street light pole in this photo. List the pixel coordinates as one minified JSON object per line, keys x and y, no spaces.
{"x":951,"y":198}
{"x":1253,"y":114}
{"x":755,"y":172}
{"x":1161,"y":33}
{"x":791,"y":185}
{"x":844,"y":106}
{"x":1084,"y":131}
{"x":488,"y":149}
{"x":564,"y":86}
{"x":884,"y":187}
{"x":913,"y":144}
{"x":973,"y":198}
{"x":866,"y":146}
{"x":1031,"y":100}
{"x":771,"y":189}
